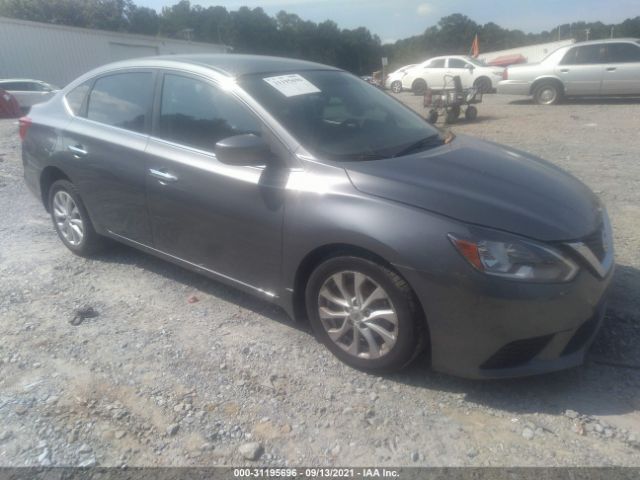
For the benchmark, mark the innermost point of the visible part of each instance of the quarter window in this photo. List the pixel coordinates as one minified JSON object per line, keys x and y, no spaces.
{"x":75,"y":98}
{"x":197,"y":114}
{"x":122,"y":100}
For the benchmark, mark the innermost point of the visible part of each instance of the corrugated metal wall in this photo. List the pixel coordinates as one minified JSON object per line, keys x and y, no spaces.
{"x":533,"y":53}
{"x":58,"y":54}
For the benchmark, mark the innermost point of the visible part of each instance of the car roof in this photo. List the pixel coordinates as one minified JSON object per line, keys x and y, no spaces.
{"x":607,"y":40}
{"x":7,"y":80}
{"x":231,"y":65}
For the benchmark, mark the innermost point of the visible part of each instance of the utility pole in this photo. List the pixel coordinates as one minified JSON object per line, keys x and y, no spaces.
{"x":587,"y":31}
{"x":612,"y":28}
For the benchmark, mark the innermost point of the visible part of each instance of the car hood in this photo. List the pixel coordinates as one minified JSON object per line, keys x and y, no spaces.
{"x":485,"y":184}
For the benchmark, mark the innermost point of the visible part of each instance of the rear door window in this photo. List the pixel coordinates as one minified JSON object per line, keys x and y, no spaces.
{"x":457,"y":63}
{"x":585,"y":55}
{"x":122,"y":100}
{"x":437,"y":63}
{"x":195,"y":113}
{"x":623,"y":53}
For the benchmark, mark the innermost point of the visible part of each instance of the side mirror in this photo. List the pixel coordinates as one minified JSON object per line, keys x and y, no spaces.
{"x":470,"y":67}
{"x":243,"y":150}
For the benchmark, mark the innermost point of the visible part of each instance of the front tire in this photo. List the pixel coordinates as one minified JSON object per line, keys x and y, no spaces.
{"x":396,"y":87}
{"x":364,"y":313}
{"x":71,"y":221}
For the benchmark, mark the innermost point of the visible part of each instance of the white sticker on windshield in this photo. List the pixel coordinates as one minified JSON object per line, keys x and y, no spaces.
{"x":292,"y":85}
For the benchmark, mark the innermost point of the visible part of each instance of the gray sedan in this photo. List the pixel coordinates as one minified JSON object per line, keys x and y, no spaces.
{"x":306,"y":186}
{"x":602,"y":67}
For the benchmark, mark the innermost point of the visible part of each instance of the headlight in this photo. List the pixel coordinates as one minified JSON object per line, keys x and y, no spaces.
{"x":516,"y":259}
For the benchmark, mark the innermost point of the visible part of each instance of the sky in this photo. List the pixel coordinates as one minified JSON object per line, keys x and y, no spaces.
{"x":396,"y":19}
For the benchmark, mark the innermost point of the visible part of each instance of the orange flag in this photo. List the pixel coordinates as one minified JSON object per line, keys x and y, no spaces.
{"x":475,"y":47}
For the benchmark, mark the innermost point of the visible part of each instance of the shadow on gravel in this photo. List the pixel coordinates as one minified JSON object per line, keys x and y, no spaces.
{"x":125,"y":255}
{"x":608,"y":383}
{"x":586,"y":101}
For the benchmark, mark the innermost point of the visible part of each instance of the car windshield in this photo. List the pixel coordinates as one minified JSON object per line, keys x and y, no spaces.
{"x":339,"y":117}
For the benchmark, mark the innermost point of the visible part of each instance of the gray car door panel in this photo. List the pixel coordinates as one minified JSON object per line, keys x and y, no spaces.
{"x":226,"y":219}
{"x":110,"y":166}
{"x":622,"y":74}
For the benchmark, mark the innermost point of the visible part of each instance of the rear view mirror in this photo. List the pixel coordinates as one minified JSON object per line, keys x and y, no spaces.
{"x":243,"y":150}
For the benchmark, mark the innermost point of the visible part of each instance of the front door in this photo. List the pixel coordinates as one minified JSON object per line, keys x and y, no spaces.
{"x":225,"y":219}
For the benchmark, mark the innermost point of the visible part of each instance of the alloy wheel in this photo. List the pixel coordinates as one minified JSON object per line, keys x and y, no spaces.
{"x":358,"y":315}
{"x":68,"y":218}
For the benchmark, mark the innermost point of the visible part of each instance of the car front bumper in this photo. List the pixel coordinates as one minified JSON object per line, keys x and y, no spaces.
{"x":485,"y":327}
{"x":514,"y":87}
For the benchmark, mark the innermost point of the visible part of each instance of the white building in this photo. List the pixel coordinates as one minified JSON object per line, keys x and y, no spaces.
{"x":57,"y":54}
{"x":531,"y":53}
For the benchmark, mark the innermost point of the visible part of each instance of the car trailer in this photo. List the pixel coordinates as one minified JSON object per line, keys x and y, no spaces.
{"x":451,"y":101}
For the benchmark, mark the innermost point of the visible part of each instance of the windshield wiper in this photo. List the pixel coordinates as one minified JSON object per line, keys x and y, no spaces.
{"x":430,"y":141}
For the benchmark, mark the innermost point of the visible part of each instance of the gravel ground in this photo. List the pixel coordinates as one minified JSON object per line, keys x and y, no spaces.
{"x":153,"y":379}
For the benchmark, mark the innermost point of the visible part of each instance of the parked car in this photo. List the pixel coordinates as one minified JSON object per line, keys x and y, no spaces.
{"x":393,"y":81}
{"x":310,"y":188}
{"x":28,"y":92}
{"x":9,"y":107}
{"x":431,"y":74}
{"x":601,"y":67}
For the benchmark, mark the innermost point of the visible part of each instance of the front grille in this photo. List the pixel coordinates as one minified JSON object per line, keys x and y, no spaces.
{"x":517,"y":353}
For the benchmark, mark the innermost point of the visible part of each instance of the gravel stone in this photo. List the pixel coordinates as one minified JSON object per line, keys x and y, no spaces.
{"x":251,"y":450}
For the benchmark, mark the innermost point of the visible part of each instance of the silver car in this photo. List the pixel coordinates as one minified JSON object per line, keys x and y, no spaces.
{"x":28,"y":92}
{"x":602,"y":67}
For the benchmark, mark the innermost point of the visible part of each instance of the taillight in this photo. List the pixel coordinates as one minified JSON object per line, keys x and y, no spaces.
{"x":24,"y":124}
{"x":505,"y":74}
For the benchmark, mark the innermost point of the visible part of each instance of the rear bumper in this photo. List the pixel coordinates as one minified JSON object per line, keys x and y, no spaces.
{"x":498,"y":329}
{"x":514,"y":87}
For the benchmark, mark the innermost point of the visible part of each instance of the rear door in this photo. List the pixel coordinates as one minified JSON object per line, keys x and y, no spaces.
{"x":582,"y":69}
{"x":622,"y":71}
{"x":104,"y":152}
{"x":434,"y":73}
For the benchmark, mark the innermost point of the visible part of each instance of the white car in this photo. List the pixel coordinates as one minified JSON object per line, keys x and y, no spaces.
{"x":393,"y":81}
{"x":28,"y":92}
{"x":432,"y":74}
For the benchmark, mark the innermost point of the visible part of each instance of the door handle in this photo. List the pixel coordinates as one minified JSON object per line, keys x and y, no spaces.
{"x":611,"y":69}
{"x":163,"y":176}
{"x":564,"y":70}
{"x":77,"y":150}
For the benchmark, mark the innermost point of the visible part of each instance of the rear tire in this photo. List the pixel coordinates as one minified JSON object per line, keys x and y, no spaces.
{"x":483,"y":84}
{"x":71,"y":220}
{"x":396,"y":87}
{"x":471,"y":113}
{"x":548,"y":93}
{"x":419,"y":86}
{"x":372,"y":321}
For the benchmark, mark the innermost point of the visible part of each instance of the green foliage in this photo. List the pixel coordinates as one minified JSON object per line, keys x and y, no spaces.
{"x":249,"y":30}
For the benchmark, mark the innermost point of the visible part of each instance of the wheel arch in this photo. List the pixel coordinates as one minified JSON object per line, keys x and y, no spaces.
{"x":49,"y":175}
{"x":322,"y":253}
{"x":540,"y":81}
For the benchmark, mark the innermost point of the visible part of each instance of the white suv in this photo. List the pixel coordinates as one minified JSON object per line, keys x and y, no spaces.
{"x":432,"y":74}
